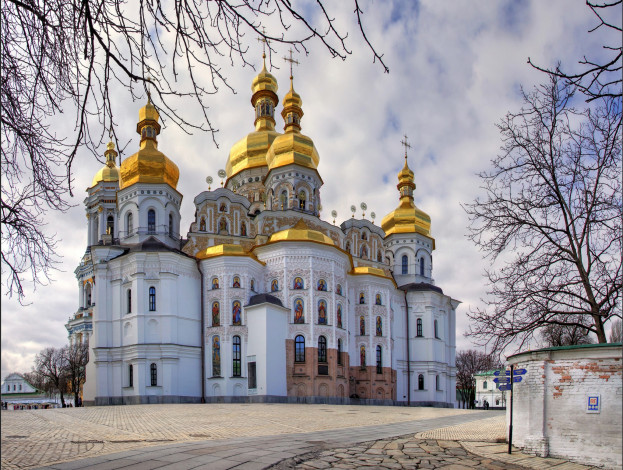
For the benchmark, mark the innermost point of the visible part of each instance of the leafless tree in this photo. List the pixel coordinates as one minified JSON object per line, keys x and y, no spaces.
{"x":550,"y":220}
{"x":598,"y":77}
{"x":77,"y":356}
{"x":65,"y":59}
{"x":468,"y":363}
{"x":616,"y":332}
{"x":565,"y":335}
{"x":50,"y":367}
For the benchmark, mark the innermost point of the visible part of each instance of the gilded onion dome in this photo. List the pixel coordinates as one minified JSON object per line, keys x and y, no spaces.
{"x":292,"y":147}
{"x":250,"y":151}
{"x":110,"y":172}
{"x":301,"y":232}
{"x":406,"y":218}
{"x":148,"y":165}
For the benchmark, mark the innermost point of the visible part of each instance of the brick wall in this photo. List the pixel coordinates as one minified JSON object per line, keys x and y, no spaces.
{"x":550,"y":415}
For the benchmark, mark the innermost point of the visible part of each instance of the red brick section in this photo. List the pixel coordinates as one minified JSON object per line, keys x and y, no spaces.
{"x":581,"y":371}
{"x":342,"y":381}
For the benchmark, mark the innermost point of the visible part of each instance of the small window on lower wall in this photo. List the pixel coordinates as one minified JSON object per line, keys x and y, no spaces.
{"x":252,"y":375}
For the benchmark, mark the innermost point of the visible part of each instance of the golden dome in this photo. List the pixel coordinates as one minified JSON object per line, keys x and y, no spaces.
{"x":301,"y":232}
{"x":224,"y":249}
{"x":361,"y":270}
{"x":407,"y":218}
{"x":148,"y":165}
{"x":110,"y":172}
{"x":250,"y":151}
{"x":292,"y":147}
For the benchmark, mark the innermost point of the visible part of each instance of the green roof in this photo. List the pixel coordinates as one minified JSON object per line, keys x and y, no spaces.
{"x":489,"y":372}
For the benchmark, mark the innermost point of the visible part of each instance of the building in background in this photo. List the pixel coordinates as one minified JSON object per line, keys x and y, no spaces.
{"x":263,"y":300}
{"x":18,"y":394}
{"x":489,"y":391}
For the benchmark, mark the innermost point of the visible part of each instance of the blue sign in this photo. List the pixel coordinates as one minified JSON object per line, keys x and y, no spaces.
{"x":504,"y":387}
{"x":519,"y":372}
{"x":517,"y":379}
{"x":502,"y":380}
{"x":497,"y":372}
{"x":508,"y":372}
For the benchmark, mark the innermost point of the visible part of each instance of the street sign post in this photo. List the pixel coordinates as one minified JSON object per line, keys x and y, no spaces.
{"x":504,"y":387}
{"x":502,"y":380}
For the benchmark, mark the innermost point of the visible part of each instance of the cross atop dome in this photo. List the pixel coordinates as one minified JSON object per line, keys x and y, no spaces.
{"x":264,"y":40}
{"x":406,"y":145}
{"x":292,"y":62}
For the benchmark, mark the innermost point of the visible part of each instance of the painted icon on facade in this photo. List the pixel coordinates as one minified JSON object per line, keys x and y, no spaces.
{"x":215,"y":283}
{"x":339,"y":315}
{"x":322,"y":312}
{"x":378,"y":300}
{"x":274,"y":285}
{"x":322,"y":285}
{"x":216,"y":314}
{"x":299,"y":316}
{"x":243,"y":229}
{"x":236,"y":282}
{"x":362,"y":356}
{"x":362,"y":326}
{"x":202,"y":225}
{"x":298,"y":283}
{"x":236,"y":312}
{"x":338,"y":289}
{"x":362,"y":298}
{"x":216,"y":356}
{"x":253,"y":285}
{"x":379,"y":326}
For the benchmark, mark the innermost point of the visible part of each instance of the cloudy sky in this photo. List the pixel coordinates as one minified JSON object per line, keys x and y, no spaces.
{"x":456,"y":69}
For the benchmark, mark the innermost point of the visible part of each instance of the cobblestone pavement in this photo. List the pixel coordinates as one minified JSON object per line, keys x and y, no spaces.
{"x":33,"y":438}
{"x":244,"y":436}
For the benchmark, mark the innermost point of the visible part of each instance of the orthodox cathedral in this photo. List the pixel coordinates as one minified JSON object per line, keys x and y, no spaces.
{"x":262,"y":300}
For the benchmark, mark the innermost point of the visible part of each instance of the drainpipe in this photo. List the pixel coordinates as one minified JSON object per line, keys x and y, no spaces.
{"x":203,"y":356}
{"x":408,"y":351}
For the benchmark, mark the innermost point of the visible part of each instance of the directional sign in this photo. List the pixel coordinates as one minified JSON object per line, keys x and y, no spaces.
{"x":517,"y":379}
{"x":502,"y":380}
{"x":504,"y":387}
{"x":519,"y":372}
{"x":508,"y":372}
{"x":498,"y":372}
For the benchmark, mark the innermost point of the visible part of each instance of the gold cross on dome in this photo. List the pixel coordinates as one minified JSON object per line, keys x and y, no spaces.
{"x":264,"y":41}
{"x":292,"y":62}
{"x":406,"y":145}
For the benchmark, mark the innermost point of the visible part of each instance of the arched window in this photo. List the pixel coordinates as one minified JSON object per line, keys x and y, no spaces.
{"x":110,"y":225}
{"x":153,"y":371}
{"x":419,"y":327}
{"x":339,"y":352}
{"x":437,"y":383}
{"x":152,"y":299}
{"x":236,"y":364}
{"x":422,"y":266}
{"x":151,"y":221}
{"x":299,"y":349}
{"x":405,"y":264}
{"x":130,"y":375}
{"x":484,"y":385}
{"x":379,"y":360}
{"x":302,"y":199}
{"x":170,"y":225}
{"x":436,"y":328}
{"x":322,"y":349}
{"x":129,"y":300}
{"x":420,"y":382}
{"x":283,"y":199}
{"x":129,"y":223}
{"x":87,"y":294}
{"x":216,"y":356}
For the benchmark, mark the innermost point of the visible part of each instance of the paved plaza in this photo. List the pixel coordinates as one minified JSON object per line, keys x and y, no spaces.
{"x":255,"y":436}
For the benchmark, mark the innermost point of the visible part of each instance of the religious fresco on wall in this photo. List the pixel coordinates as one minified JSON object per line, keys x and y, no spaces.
{"x":236,"y":282}
{"x":243,"y":229}
{"x":222,"y":225}
{"x":274,"y":285}
{"x":322,"y":285}
{"x":202,"y":225}
{"x":216,"y":314}
{"x":362,"y":298}
{"x":215,"y":283}
{"x":379,"y":326}
{"x":339,"y":315}
{"x":236,"y":313}
{"x":216,"y":357}
{"x":298,"y":283}
{"x":253,"y":285}
{"x":299,"y":316}
{"x":362,"y":356}
{"x":322,"y":312}
{"x":338,"y":289}
{"x":378,"y":300}
{"x":362,"y":326}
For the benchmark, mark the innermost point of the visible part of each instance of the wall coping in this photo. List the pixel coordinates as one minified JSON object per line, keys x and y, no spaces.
{"x":602,"y":350}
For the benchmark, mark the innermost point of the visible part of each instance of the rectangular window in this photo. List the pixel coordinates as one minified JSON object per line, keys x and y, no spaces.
{"x":131,"y":375}
{"x":154,"y":375}
{"x":419,"y":327}
{"x":251,"y":375}
{"x":237,"y":366}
